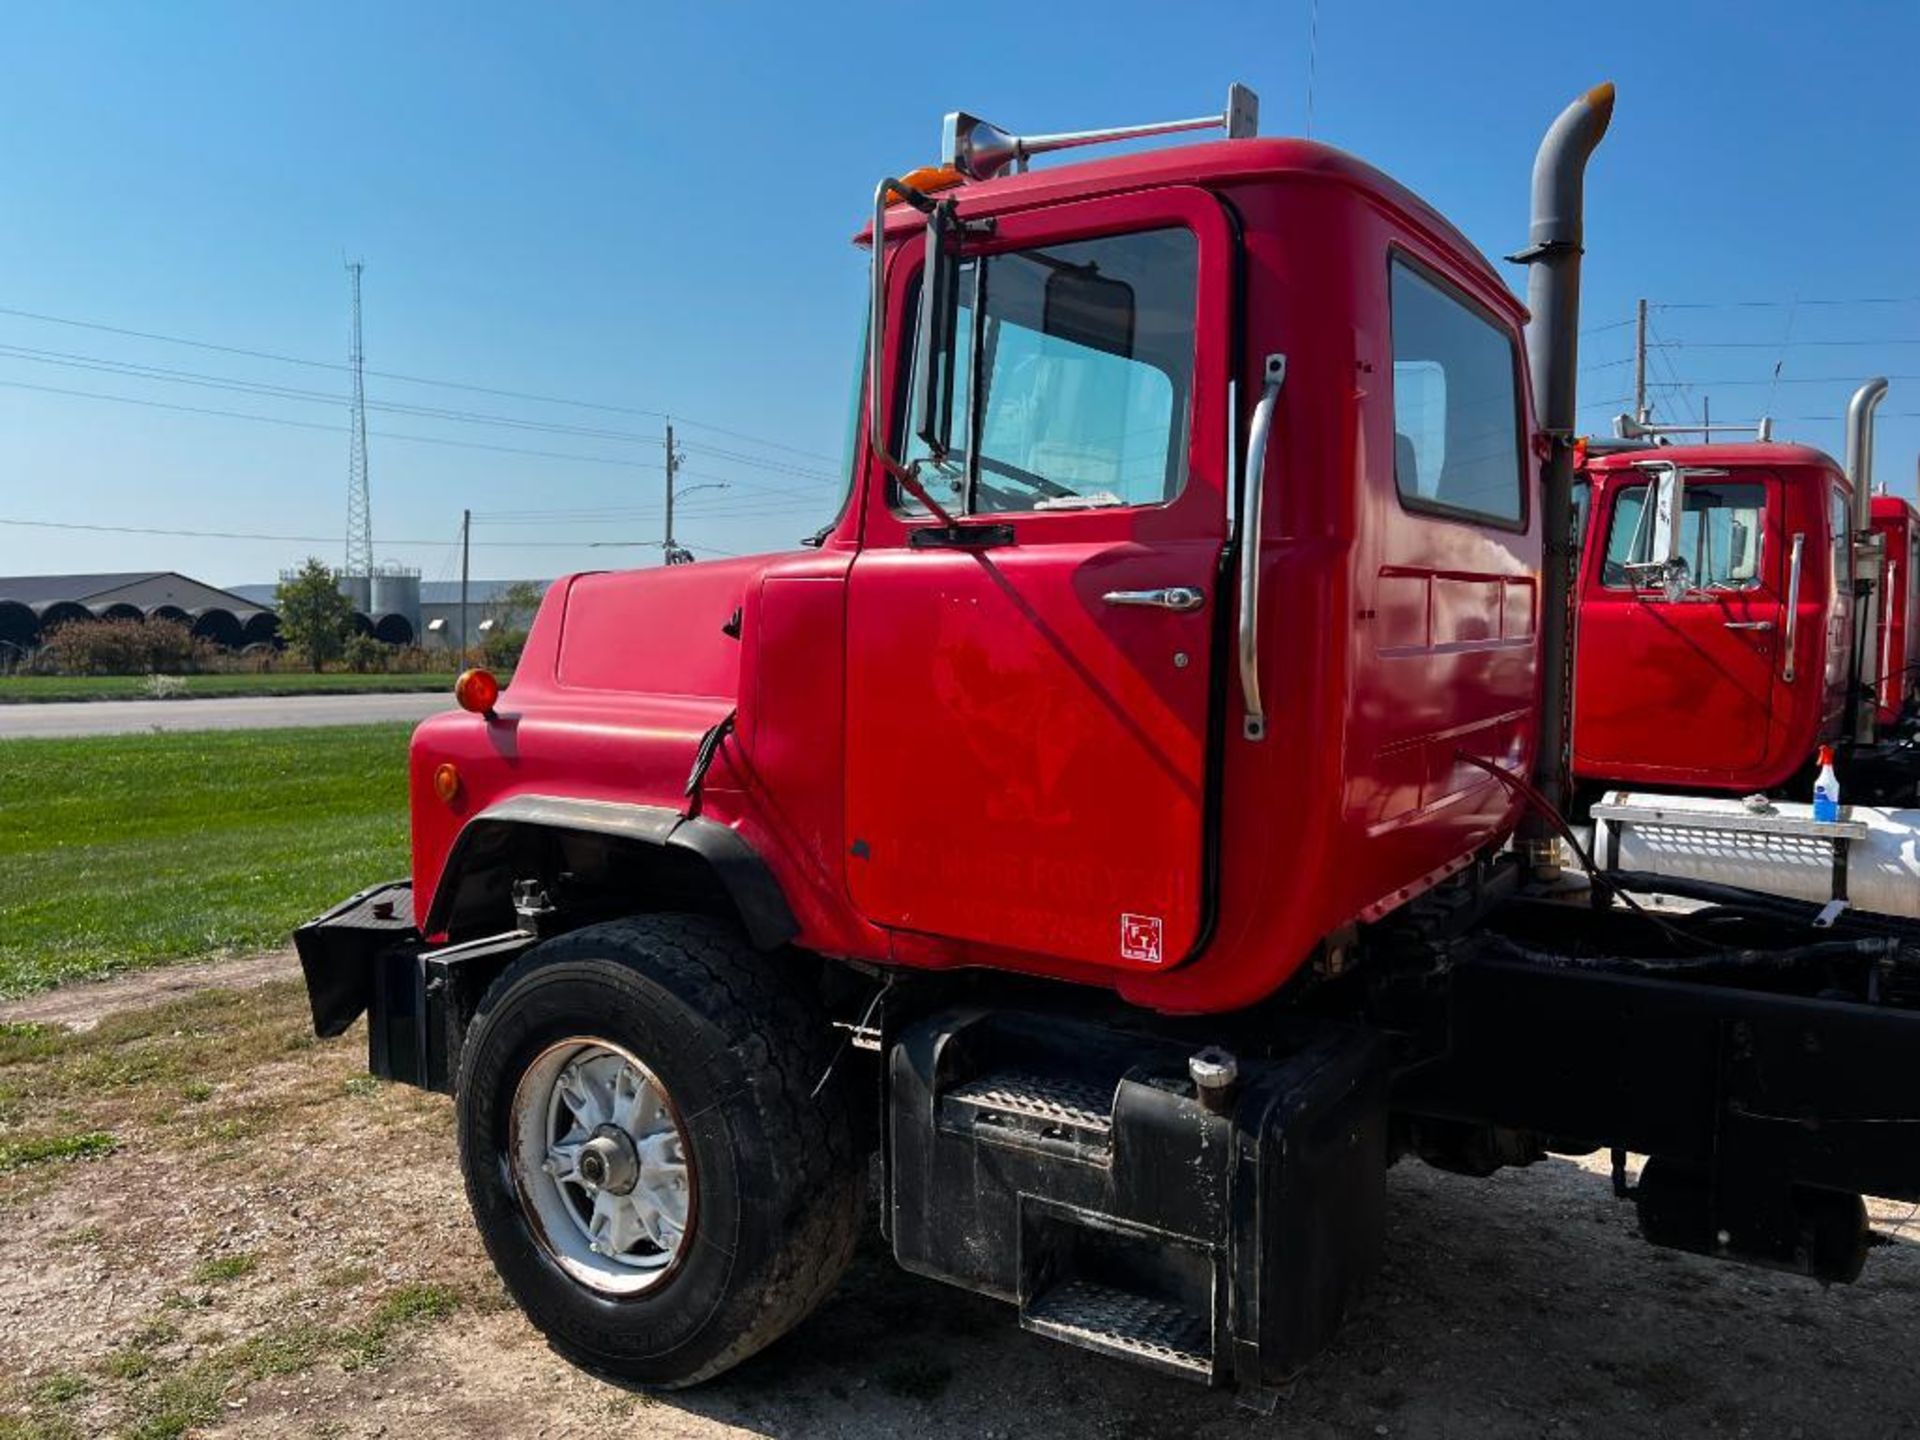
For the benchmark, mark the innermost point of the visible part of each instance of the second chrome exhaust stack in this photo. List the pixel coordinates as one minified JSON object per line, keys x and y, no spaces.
{"x":1555,"y":237}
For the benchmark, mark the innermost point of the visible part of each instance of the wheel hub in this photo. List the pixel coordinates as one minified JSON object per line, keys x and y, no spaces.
{"x":610,"y":1161}
{"x":602,"y":1166}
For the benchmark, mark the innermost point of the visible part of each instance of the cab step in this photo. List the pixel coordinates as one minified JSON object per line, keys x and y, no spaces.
{"x":1145,"y":1329}
{"x":1045,"y":1107}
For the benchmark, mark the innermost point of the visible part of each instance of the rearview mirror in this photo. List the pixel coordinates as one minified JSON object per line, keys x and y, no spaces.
{"x":939,"y":317}
{"x":1666,"y":566}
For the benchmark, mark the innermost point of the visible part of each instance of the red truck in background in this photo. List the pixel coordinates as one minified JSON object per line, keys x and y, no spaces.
{"x":1133,"y":820}
{"x":1897,"y":646}
{"x":1719,"y":654}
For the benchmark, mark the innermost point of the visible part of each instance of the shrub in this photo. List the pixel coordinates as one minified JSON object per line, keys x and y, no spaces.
{"x":501,"y":649}
{"x":364,"y":653}
{"x":418,"y":660}
{"x":122,"y":647}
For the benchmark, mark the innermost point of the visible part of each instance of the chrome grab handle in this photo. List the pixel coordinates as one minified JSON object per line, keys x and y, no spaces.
{"x":1254,"y":725}
{"x":1749,"y":624}
{"x":1174,"y":597}
{"x":1793,"y":605}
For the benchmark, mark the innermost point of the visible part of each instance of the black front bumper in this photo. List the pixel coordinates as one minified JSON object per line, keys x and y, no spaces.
{"x":367,"y":956}
{"x":340,"y":951}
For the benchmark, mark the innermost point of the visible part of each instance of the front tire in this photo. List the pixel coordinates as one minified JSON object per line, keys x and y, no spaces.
{"x":652,"y":1174}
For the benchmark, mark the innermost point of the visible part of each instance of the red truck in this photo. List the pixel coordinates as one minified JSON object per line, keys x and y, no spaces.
{"x":1719,"y":654}
{"x":1897,"y":646}
{"x":1127,"y":820}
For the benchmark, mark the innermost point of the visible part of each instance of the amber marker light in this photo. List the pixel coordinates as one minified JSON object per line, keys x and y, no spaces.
{"x":446,"y":782}
{"x":928,"y":180}
{"x":476,"y":690}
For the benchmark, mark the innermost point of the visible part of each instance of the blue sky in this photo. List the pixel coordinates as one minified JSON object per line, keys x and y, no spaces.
{"x":647,"y":208}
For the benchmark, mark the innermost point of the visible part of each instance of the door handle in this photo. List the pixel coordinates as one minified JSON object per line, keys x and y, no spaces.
{"x":1253,"y":723}
{"x":1174,"y":597}
{"x":1788,"y":641}
{"x":1749,"y":624}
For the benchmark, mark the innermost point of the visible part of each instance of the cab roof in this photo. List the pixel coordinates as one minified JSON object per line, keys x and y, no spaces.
{"x":1214,"y":164}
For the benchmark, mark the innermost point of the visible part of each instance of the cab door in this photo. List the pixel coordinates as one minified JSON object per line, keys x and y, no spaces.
{"x":1680,"y":690}
{"x":1029,"y":699}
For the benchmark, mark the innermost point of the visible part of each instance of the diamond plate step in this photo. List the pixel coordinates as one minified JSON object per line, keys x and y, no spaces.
{"x":1140,"y":1328}
{"x":1049,"y":1100}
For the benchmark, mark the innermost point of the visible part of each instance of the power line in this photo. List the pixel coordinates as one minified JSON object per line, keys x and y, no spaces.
{"x":331,"y":429}
{"x":408,"y":379}
{"x":307,"y":539}
{"x":280,"y":392}
{"x":1684,"y":392}
{"x":70,"y":360}
{"x":1782,"y":304}
{"x":1799,"y":380}
{"x":1776,"y":344}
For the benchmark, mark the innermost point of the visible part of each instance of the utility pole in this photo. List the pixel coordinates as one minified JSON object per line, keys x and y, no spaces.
{"x":1706,"y":419}
{"x":466,"y":551}
{"x":1640,"y":363}
{"x":671,"y":460}
{"x":674,"y":555}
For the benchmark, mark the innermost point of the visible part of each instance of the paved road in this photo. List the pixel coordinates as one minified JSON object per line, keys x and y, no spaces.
{"x":121,"y":717}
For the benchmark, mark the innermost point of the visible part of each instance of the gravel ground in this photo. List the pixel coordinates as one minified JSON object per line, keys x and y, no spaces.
{"x":277,"y":1246}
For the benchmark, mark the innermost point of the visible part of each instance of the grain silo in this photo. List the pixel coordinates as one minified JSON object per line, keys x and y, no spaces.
{"x":396,"y":591}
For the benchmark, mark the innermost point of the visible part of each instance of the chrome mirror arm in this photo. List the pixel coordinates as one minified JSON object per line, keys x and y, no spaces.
{"x":877,"y":342}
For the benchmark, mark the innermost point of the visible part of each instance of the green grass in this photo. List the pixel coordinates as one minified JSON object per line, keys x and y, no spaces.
{"x":124,"y":850}
{"x":26,"y":689}
{"x":89,"y":1145}
{"x":223,"y":1268}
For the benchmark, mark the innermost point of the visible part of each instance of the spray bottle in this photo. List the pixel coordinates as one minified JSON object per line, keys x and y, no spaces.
{"x":1826,"y":788}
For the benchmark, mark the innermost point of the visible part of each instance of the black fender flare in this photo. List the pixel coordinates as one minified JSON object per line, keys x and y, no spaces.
{"x":745,"y":877}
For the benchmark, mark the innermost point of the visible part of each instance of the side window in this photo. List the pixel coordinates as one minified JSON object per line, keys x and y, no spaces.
{"x":1720,"y":533}
{"x":1629,"y":535}
{"x":1085,"y":369}
{"x":1456,"y":404}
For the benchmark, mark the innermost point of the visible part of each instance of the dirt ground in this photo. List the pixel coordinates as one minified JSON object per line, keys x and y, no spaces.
{"x":211,"y":1223}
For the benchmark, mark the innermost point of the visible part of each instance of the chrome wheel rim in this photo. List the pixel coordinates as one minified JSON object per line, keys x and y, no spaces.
{"x":601,"y":1165}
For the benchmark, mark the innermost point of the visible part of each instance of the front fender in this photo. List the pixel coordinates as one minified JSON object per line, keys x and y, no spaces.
{"x":501,"y":829}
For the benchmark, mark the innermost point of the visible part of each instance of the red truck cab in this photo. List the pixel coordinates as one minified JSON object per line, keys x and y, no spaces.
{"x":1020,"y":742}
{"x":1897,"y":645}
{"x":1732,"y":680}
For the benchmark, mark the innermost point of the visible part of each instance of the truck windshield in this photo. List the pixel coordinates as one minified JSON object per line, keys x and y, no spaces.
{"x":850,"y":456}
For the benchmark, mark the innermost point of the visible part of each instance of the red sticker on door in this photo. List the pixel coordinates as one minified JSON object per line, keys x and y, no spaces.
{"x":1140,"y":938}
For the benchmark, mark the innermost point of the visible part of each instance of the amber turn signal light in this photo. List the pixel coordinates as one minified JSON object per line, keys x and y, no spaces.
{"x":476,"y":690}
{"x":446,"y":782}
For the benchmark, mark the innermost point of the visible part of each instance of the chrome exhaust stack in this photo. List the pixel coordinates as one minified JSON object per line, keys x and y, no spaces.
{"x":1860,"y":410}
{"x":1553,"y":360}
{"x":1869,"y":564}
